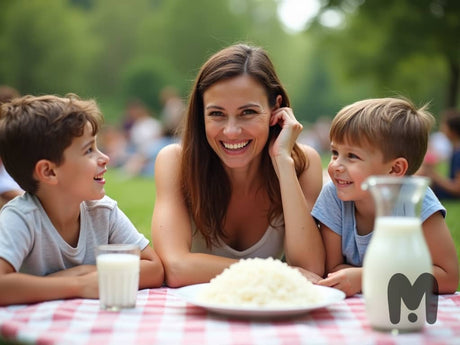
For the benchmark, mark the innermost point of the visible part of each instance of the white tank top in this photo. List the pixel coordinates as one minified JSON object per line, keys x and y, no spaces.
{"x":270,"y":245}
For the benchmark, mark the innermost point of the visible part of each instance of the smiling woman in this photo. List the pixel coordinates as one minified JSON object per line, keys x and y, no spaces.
{"x":240,"y":186}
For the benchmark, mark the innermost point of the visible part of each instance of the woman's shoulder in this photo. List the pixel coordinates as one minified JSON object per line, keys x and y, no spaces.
{"x":171,"y":150}
{"x":168,"y":160}
{"x":169,"y":154}
{"x":310,"y":153}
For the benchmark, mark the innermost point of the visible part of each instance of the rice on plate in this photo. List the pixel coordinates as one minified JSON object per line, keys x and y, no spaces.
{"x":261,"y":283}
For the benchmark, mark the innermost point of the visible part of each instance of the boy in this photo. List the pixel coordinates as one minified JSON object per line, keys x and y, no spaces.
{"x":48,"y":236}
{"x":385,"y":136}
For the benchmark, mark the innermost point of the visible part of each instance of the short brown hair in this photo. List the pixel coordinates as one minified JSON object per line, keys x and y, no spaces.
{"x":35,"y":128}
{"x":392,"y":125}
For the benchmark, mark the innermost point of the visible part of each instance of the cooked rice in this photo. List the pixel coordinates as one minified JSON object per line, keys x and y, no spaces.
{"x":262,"y":283}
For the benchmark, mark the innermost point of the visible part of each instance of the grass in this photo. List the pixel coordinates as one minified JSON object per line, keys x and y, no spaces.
{"x":136,"y":198}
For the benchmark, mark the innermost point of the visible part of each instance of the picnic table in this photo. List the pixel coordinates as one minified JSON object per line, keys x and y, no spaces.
{"x":163,"y":317}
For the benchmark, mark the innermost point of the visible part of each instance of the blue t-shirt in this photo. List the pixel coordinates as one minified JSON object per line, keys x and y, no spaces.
{"x":454,"y":163}
{"x":339,"y":216}
{"x":454,"y":169}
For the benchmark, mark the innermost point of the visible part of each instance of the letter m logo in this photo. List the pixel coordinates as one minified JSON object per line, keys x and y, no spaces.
{"x":400,"y":288}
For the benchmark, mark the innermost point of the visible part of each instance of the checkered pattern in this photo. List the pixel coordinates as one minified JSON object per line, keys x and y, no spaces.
{"x":161,"y":317}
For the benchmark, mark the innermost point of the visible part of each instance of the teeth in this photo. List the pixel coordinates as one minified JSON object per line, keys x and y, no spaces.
{"x":235,"y":146}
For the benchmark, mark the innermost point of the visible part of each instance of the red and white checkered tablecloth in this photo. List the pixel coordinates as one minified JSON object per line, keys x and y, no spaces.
{"x":161,"y":317}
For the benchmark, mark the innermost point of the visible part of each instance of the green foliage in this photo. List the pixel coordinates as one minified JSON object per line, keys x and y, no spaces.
{"x":115,"y":50}
{"x":47,"y":48}
{"x":406,"y":47}
{"x":145,"y":78}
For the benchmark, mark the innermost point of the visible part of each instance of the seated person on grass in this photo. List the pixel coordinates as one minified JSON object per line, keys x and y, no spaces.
{"x":48,"y":235}
{"x":447,"y":187}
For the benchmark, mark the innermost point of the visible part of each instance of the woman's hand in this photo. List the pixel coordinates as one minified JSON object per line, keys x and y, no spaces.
{"x":313,"y":277}
{"x":290,"y":130}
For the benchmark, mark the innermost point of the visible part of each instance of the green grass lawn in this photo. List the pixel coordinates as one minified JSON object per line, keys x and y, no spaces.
{"x":136,"y":197}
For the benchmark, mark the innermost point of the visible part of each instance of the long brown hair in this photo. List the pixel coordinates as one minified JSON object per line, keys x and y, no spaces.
{"x":204,"y":182}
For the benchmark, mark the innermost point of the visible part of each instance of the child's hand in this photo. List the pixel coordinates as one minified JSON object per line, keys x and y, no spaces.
{"x":347,"y":279}
{"x":89,"y":284}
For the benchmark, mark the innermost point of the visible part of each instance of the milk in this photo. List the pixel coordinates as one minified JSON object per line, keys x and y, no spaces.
{"x":397,"y":245}
{"x":118,"y":280}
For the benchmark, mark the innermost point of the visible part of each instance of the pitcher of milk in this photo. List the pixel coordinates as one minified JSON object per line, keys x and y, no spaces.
{"x":397,"y":270}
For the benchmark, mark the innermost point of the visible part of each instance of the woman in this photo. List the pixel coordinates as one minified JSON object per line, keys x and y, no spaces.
{"x":238,"y":186}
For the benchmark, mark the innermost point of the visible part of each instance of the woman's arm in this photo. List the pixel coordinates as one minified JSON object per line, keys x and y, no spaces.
{"x":303,"y":245}
{"x":172,"y":230}
{"x":443,"y":253}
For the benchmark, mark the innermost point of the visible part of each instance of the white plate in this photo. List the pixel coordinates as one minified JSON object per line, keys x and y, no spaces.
{"x":190,"y":293}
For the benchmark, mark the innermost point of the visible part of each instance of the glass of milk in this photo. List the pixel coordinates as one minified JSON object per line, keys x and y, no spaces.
{"x":118,"y":268}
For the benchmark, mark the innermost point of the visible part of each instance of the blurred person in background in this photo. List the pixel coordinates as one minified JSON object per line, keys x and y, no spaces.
{"x":171,"y":117}
{"x":446,"y":187}
{"x":9,"y":189}
{"x":143,"y":131}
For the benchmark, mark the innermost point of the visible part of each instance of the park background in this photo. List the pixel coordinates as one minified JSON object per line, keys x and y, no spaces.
{"x":345,"y":50}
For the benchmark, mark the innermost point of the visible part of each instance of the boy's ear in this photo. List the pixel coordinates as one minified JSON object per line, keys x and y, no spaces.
{"x":44,"y":171}
{"x":399,"y":167}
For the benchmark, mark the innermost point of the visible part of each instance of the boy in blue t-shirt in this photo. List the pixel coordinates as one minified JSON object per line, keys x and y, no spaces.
{"x":386,"y":136}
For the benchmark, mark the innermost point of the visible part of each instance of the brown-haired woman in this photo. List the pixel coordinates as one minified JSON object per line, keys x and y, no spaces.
{"x":238,"y":185}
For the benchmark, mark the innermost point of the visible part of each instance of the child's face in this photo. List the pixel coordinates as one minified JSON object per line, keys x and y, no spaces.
{"x":81,"y":173}
{"x":350,"y":165}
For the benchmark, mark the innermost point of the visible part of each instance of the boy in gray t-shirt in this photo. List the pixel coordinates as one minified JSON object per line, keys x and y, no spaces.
{"x":386,"y":136}
{"x":48,"y":235}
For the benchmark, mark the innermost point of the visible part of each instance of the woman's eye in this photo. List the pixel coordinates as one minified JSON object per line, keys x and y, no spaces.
{"x":215,"y":113}
{"x":248,"y":112}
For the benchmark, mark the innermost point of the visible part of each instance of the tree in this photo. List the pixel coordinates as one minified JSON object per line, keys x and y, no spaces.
{"x":45,"y":49}
{"x":387,"y":38}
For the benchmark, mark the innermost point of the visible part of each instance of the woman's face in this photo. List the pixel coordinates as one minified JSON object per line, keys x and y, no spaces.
{"x":237,"y":120}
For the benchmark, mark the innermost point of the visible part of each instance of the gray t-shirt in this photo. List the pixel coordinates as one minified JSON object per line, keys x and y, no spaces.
{"x":31,"y":244}
{"x":339,"y":216}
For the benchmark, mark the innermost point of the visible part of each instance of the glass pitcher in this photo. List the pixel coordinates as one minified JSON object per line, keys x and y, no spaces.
{"x":397,"y":267}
